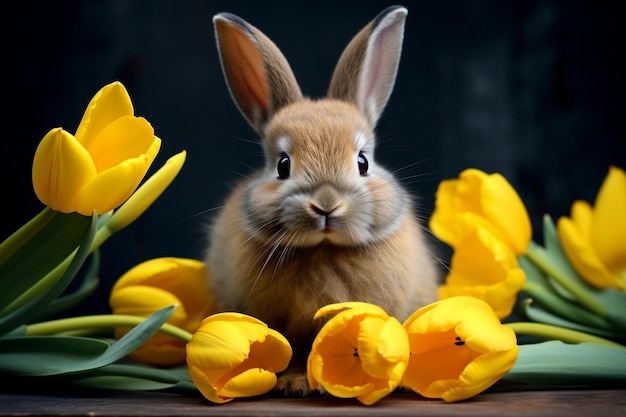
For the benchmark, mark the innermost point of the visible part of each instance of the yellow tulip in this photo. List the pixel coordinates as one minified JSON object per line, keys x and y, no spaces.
{"x":359,"y":353}
{"x":149,"y":191}
{"x":480,"y":199}
{"x":158,"y":283}
{"x":459,"y":348}
{"x":594,"y":238}
{"x":484,"y":267}
{"x":233,"y":355}
{"x":100,"y":166}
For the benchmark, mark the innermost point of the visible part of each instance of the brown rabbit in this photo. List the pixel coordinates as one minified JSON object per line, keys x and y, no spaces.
{"x":322,"y":222}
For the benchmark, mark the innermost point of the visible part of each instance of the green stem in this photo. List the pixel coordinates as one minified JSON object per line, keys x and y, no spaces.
{"x":96,"y":322}
{"x":565,"y":309}
{"x":537,"y":255}
{"x":102,"y":235}
{"x":558,"y":333}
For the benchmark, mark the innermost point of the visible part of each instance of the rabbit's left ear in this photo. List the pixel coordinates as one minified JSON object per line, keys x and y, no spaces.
{"x":258,"y":76}
{"x":366,"y":71}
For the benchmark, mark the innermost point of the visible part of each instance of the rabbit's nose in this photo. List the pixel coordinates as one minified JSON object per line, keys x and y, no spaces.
{"x":326,"y":203}
{"x":321,"y":211}
{"x":326,"y":219}
{"x":326,"y":200}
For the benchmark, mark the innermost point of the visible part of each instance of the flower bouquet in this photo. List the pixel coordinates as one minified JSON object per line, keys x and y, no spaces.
{"x":510,"y":308}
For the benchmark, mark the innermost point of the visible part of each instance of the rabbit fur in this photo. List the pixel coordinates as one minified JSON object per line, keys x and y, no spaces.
{"x":321,"y":222}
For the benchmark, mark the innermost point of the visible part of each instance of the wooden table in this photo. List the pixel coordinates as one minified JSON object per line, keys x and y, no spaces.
{"x":499,"y":401}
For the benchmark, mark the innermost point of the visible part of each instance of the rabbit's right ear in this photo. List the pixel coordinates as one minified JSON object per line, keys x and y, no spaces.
{"x":257,"y":74}
{"x":366,"y":71}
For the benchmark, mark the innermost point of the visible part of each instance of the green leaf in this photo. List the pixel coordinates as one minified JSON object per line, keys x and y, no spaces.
{"x":48,"y":355}
{"x":538,"y":314}
{"x":543,"y":294}
{"x":614,"y":300}
{"x":24,"y":234}
{"x":132,"y":377}
{"x":29,"y":310}
{"x":558,"y":363}
{"x":558,"y":257}
{"x":50,"y":245}
{"x":137,"y":336}
{"x":87,"y":287}
{"x":58,"y":355}
{"x":534,"y":274}
{"x":567,"y":287}
{"x":18,"y":331}
{"x":122,"y":383}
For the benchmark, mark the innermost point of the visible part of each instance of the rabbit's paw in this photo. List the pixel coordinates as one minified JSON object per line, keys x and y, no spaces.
{"x":294,"y":383}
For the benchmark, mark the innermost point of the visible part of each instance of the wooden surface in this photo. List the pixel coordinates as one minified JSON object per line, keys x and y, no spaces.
{"x":495,"y":402}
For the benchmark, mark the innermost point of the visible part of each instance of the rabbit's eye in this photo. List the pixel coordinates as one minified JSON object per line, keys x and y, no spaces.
{"x":284,"y":166}
{"x":363,"y":164}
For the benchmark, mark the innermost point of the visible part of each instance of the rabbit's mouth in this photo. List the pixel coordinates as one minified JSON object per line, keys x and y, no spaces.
{"x":325,"y":235}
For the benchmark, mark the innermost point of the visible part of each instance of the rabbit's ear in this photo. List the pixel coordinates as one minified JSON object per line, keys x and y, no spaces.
{"x":258,"y":76}
{"x":366,"y":71}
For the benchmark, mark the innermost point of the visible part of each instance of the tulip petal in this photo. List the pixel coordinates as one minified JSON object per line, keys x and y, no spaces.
{"x":336,"y":347}
{"x":503,"y":208}
{"x":484,"y":252}
{"x":384,"y":386}
{"x":110,"y":103}
{"x":336,"y":308}
{"x":584,"y":259}
{"x":334,"y":359}
{"x":61,"y":168}
{"x":155,"y":272}
{"x":354,"y":390}
{"x":143,"y":300}
{"x":436,"y":356}
{"x":160,"y":282}
{"x":219,"y":346}
{"x":609,"y":222}
{"x":160,"y":350}
{"x":484,"y":267}
{"x":360,"y":353}
{"x":382,"y":343}
{"x":501,"y":296}
{"x":249,"y":383}
{"x":273,"y":353}
{"x":444,"y":222}
{"x":122,"y":139}
{"x":481,"y":374}
{"x":111,"y":188}
{"x":204,"y":384}
{"x":440,"y":387}
{"x":343,"y":377}
{"x":479,"y":199}
{"x":182,"y":277}
{"x":484,"y":333}
{"x":228,"y":354}
{"x":145,"y":195}
{"x":582,"y":216}
{"x":457,"y":348}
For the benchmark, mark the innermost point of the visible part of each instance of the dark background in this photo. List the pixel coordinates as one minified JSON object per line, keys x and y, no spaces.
{"x":531,"y":89}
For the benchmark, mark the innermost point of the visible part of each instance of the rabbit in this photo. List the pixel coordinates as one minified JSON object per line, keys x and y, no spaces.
{"x":321,"y":222}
